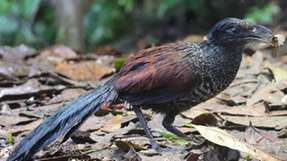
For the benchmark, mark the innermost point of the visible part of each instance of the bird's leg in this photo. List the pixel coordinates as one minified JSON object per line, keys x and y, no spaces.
{"x":147,"y":131}
{"x":167,"y":124}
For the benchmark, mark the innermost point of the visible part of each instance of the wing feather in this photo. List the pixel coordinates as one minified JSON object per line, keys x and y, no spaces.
{"x":157,"y":74}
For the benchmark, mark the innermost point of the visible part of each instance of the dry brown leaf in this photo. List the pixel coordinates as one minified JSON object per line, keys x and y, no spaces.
{"x":113,"y":124}
{"x":137,"y":142}
{"x":4,"y":152}
{"x":48,"y":109}
{"x":254,"y":110}
{"x":24,"y":128}
{"x":205,"y":119}
{"x":282,"y":133}
{"x":107,"y":50}
{"x":238,"y":91}
{"x":268,"y":93}
{"x":132,"y":155}
{"x":223,"y":138}
{"x":13,"y":69}
{"x":8,"y":121}
{"x":266,"y":140}
{"x":126,"y":145}
{"x":277,"y":122}
{"x":193,"y":157}
{"x":195,"y":111}
{"x":32,"y":86}
{"x":67,"y":95}
{"x":92,"y":124}
{"x":277,"y":113}
{"x":16,"y":54}
{"x":251,"y":64}
{"x":57,"y":54}
{"x":278,"y":72}
{"x":84,"y":70}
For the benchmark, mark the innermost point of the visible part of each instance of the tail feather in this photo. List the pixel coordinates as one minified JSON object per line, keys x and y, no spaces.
{"x":64,"y":122}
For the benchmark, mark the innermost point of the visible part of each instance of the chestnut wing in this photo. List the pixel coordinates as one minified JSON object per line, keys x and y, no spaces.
{"x":158,"y":74}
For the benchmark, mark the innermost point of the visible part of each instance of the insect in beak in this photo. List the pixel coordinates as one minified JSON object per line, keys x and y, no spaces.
{"x":277,"y":41}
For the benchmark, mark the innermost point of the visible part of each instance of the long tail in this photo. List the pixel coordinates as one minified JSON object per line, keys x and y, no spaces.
{"x":64,"y":122}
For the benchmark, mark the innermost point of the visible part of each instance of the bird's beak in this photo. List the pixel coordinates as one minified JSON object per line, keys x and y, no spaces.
{"x":262,"y":37}
{"x":262,"y":34}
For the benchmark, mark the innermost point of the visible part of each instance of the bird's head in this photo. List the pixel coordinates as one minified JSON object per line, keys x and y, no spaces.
{"x":233,"y":31}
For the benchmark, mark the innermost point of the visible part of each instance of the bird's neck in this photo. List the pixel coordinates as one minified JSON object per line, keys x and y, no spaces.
{"x":232,"y":48}
{"x":221,"y":62}
{"x":219,"y":56}
{"x":231,"y":52}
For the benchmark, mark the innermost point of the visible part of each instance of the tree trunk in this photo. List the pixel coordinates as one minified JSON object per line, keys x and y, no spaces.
{"x":70,"y":15}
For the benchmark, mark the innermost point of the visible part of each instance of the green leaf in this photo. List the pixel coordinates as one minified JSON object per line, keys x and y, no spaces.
{"x":247,"y":157}
{"x":119,"y":63}
{"x":173,"y":138}
{"x":9,"y":139}
{"x":168,"y":135}
{"x":188,"y":125}
{"x":181,"y":142}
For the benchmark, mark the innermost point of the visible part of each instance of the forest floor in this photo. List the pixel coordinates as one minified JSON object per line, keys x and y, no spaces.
{"x":250,"y":116}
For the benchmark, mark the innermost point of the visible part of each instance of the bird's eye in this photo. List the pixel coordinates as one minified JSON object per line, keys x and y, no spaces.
{"x":233,"y":30}
{"x":252,"y":29}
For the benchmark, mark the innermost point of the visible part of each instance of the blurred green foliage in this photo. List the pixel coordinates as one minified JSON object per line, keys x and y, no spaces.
{"x":106,"y":21}
{"x":18,"y":24}
{"x":262,"y":15}
{"x":33,"y":22}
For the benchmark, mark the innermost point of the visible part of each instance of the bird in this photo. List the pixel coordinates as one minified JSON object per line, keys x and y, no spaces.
{"x":168,"y":79}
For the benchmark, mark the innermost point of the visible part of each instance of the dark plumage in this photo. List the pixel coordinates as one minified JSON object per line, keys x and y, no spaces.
{"x":169,"y":79}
